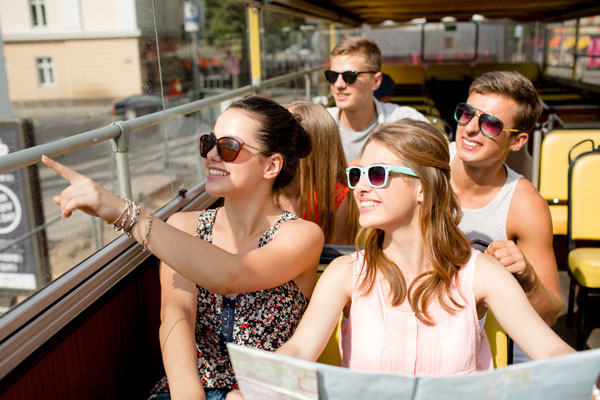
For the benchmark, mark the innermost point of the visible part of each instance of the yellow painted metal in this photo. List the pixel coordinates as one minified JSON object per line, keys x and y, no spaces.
{"x":331,"y":36}
{"x":254,"y":28}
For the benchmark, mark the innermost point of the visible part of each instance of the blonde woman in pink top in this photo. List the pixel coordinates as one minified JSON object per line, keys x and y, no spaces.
{"x":412,"y":299}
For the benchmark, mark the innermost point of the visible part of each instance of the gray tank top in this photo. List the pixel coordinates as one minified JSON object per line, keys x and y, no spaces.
{"x":489,"y":222}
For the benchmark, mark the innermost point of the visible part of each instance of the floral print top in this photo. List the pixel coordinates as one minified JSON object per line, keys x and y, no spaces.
{"x":264,"y":319}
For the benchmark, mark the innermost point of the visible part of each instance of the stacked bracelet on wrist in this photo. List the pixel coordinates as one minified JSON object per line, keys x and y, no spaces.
{"x":147,"y":234}
{"x":128,"y":218}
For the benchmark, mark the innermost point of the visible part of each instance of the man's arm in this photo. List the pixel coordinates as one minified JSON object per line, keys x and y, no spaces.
{"x":531,"y":259}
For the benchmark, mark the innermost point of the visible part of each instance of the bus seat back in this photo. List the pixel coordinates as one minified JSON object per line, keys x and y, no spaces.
{"x":449,"y":72}
{"x":530,"y":70}
{"x":554,"y":161}
{"x":498,"y":340}
{"x":331,"y":352}
{"x":584,"y":197}
{"x":405,"y":74}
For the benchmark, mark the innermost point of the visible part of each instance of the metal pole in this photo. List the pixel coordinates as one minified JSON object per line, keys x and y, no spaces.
{"x":120,"y":146}
{"x":255,"y":62}
{"x":535,"y":168}
{"x":307,"y":86}
{"x":575,"y":45}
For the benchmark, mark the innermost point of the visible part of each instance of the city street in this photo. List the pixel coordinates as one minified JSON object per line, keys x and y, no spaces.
{"x":162,"y":159}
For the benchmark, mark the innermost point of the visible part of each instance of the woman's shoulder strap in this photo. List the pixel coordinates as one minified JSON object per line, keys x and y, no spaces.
{"x":269,"y":233}
{"x":206,"y":221}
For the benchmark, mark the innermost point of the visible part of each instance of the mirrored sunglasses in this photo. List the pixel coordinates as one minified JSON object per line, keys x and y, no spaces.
{"x":228,"y":148}
{"x":348,"y":76}
{"x":489,"y":125}
{"x":377,"y":175}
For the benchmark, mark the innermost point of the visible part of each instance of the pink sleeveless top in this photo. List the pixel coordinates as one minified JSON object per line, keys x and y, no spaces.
{"x":378,"y":338}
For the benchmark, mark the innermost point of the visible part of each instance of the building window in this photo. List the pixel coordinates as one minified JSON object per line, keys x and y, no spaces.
{"x":38,"y":12}
{"x":45,"y":69}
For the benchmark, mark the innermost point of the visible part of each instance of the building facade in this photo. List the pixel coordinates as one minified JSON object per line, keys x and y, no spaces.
{"x":73,"y":49}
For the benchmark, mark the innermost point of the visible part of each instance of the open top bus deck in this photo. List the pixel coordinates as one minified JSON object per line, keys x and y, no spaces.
{"x":80,"y":318}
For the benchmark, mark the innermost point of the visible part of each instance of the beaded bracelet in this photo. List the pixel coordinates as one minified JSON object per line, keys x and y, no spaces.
{"x":147,"y":234}
{"x":134,"y":219}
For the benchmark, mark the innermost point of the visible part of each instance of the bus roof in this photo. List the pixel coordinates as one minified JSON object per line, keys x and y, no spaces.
{"x":356,"y":12}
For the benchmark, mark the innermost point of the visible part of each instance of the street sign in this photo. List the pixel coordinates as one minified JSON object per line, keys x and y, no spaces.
{"x":191,"y":19}
{"x":23,"y":256}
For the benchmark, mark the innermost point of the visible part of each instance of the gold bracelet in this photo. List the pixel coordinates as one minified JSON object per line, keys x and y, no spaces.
{"x":121,"y":224}
{"x":147,"y":232}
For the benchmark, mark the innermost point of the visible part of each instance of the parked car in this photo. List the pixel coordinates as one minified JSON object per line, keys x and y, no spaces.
{"x":137,"y":105}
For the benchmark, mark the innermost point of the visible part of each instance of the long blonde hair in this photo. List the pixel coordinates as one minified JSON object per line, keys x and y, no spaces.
{"x":422,"y":147}
{"x":322,"y":169}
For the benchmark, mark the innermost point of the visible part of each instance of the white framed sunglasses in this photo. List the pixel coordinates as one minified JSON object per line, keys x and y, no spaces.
{"x":377,"y":175}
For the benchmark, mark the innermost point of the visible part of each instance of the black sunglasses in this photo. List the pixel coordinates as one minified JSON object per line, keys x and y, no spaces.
{"x":489,"y":125}
{"x":228,"y":148}
{"x":348,"y":76}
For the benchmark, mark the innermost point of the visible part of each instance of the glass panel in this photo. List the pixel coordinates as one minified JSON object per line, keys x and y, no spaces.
{"x":561,"y":42}
{"x":291,"y":43}
{"x":588,"y":50}
{"x":152,"y":64}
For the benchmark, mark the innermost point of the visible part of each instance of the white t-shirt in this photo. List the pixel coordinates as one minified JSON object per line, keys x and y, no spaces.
{"x":353,"y":141}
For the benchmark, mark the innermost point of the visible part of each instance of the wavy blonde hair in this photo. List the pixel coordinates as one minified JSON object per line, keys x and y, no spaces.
{"x":322,"y":169}
{"x":422,"y":147}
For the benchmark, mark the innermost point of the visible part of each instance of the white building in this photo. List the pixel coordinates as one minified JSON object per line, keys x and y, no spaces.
{"x":80,"y":49}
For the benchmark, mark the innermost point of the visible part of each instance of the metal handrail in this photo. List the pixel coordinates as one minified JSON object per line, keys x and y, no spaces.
{"x":288,"y":77}
{"x":30,"y":156}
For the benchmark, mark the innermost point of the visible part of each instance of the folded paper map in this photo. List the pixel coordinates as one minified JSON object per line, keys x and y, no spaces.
{"x":264,"y":375}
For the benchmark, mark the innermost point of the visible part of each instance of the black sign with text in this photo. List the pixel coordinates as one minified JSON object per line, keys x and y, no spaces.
{"x":23,"y":255}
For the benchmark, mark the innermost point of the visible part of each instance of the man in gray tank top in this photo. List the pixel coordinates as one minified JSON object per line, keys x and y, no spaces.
{"x":498,"y":206}
{"x":353,"y":77}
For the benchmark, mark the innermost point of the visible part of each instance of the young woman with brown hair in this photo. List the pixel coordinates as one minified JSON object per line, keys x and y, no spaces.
{"x":242,"y":273}
{"x":319,"y":191}
{"x":412,"y":300}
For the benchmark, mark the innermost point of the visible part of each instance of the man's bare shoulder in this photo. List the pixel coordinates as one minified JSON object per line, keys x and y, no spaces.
{"x":528,"y":209}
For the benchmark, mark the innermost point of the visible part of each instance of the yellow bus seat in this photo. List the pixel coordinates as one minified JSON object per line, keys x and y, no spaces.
{"x":530,"y":70}
{"x":331,"y":352}
{"x":412,"y":100}
{"x":584,"y":224}
{"x":560,"y":97}
{"x":554,"y":166}
{"x":405,"y":74}
{"x":498,"y":340}
{"x":559,"y":215}
{"x":449,"y":72}
{"x":426,"y":109}
{"x":438,"y":122}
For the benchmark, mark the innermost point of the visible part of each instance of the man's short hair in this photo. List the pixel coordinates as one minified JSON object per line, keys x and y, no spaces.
{"x":514,"y":86}
{"x":364,"y":46}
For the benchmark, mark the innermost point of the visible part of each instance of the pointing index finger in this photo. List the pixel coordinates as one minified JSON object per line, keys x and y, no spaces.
{"x":64,"y":171}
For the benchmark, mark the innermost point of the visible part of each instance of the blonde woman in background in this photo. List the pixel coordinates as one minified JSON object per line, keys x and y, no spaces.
{"x":319,"y":192}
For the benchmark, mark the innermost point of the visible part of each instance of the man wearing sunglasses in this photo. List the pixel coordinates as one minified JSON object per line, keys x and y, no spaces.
{"x":353,"y":76}
{"x":498,"y":206}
